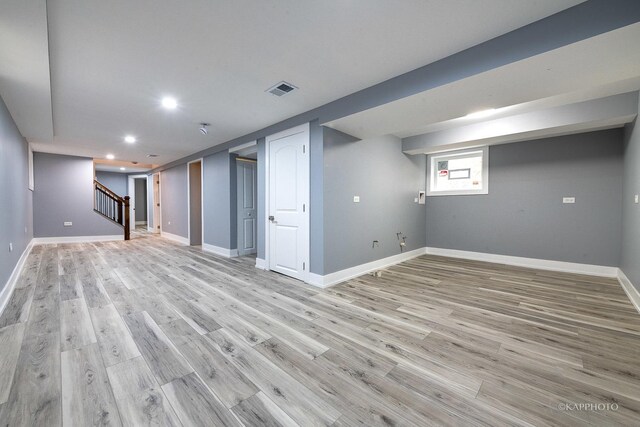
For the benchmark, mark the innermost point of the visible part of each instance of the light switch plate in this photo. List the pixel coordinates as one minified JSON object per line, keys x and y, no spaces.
{"x":568,"y":200}
{"x":68,"y":223}
{"x":636,"y":198}
{"x":356,"y":199}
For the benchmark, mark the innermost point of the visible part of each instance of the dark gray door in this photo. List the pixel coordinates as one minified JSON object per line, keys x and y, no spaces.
{"x":247,"y":183}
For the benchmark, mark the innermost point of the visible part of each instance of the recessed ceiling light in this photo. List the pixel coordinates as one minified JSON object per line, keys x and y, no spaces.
{"x":482,"y":113}
{"x":130,"y":139}
{"x":122,"y":169}
{"x":110,"y":156}
{"x":169,"y":103}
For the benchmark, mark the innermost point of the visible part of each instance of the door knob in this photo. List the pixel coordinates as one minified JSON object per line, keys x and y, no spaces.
{"x":272,"y":218}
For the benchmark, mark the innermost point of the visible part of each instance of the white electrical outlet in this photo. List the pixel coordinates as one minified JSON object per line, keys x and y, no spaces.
{"x":566,"y":200}
{"x":10,"y":247}
{"x":68,"y":224}
{"x":25,"y":230}
{"x":636,"y":198}
{"x":356,"y":199}
{"x":168,"y":222}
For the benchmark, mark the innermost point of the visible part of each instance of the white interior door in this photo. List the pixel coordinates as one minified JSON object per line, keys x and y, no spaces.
{"x":247,"y":182}
{"x":156,"y":203}
{"x":132,"y":202}
{"x":287,"y":212}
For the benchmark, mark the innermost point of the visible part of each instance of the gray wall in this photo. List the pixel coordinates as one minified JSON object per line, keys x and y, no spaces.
{"x":219,"y":200}
{"x":387,"y":182}
{"x":16,"y":206}
{"x":523,"y":214}
{"x":114,"y":181}
{"x":64,"y":192}
{"x":173,"y":187}
{"x":630,"y":262}
{"x":141,"y":199}
{"x":316,"y":198}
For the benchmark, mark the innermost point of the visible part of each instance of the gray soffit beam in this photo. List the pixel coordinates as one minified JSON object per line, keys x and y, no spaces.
{"x":603,"y":113}
{"x":580,"y":22}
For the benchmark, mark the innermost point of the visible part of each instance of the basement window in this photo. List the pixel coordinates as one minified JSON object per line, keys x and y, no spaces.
{"x":461,"y":172}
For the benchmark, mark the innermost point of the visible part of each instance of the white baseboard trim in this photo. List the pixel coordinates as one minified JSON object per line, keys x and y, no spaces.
{"x":261,"y":264}
{"x":7,"y":291}
{"x":349,"y":273}
{"x":228,"y":253}
{"x":141,"y":222}
{"x":76,"y":239}
{"x":175,"y":238}
{"x":540,"y":264}
{"x":631,"y":291}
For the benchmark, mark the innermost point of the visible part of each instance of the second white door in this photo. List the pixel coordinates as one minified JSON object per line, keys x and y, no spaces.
{"x":288,"y":213}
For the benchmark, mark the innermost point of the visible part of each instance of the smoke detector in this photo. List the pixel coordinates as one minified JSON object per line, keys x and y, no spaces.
{"x":281,"y":89}
{"x":203,"y":128}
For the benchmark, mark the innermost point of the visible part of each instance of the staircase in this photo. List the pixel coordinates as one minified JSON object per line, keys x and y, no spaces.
{"x":111,"y":206}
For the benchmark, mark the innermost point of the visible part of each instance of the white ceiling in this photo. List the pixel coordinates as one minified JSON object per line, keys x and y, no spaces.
{"x":600,"y":66}
{"x":111,"y":62}
{"x":24,"y":67}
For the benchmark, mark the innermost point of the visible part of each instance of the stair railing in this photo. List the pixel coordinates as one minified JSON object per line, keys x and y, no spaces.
{"x":113,"y":207}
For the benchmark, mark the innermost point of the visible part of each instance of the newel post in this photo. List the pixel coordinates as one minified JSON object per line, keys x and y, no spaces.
{"x":127,"y":228}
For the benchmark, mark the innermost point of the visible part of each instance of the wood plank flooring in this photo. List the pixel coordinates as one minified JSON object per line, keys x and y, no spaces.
{"x":147,"y":332}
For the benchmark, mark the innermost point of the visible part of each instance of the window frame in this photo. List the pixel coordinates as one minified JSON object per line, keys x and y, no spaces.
{"x":448,"y":155}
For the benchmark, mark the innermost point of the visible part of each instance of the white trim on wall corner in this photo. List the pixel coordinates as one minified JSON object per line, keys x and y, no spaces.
{"x":632,"y":292}
{"x":174,"y":237}
{"x":349,"y":273}
{"x":228,"y":253}
{"x":261,"y":263}
{"x":77,"y":239}
{"x":540,"y":264}
{"x":7,"y":291}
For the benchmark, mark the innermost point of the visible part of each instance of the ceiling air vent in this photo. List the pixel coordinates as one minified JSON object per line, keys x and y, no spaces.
{"x":152,"y":155}
{"x":281,"y":88}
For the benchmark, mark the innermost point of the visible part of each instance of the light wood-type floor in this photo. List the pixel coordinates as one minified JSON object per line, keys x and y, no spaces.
{"x":147,"y":332}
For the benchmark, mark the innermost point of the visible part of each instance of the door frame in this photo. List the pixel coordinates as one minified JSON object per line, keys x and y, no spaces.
{"x":201,"y":161}
{"x":303,"y":128}
{"x":131,"y":190}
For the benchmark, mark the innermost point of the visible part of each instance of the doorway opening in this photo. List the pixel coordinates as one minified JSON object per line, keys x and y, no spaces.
{"x":138,"y":203}
{"x":195,"y":203}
